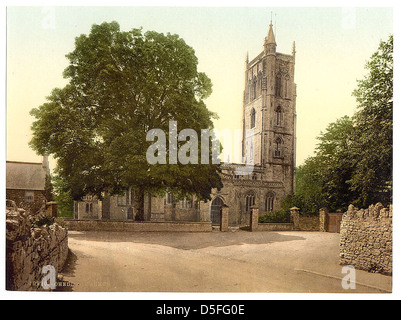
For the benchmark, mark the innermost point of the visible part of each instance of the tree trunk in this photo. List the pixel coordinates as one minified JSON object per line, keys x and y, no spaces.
{"x":139,"y":203}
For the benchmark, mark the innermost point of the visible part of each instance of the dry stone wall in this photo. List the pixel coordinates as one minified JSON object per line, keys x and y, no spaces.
{"x":366,"y":239}
{"x":30,"y":248}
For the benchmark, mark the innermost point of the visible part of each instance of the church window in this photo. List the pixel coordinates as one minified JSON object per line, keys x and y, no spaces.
{"x":254,"y":87}
{"x":89,"y":207}
{"x":249,"y":202}
{"x":251,"y":155}
{"x":278,"y":147}
{"x":259,"y":83}
{"x":122,"y":200}
{"x":286,"y":89}
{"x":249,"y":90}
{"x":169,"y":198}
{"x":253,"y":118}
{"x":186,"y":203}
{"x":278,"y":86}
{"x":278,"y":116}
{"x":269,"y":202}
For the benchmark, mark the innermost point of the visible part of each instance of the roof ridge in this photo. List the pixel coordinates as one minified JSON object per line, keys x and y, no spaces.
{"x":23,"y":162}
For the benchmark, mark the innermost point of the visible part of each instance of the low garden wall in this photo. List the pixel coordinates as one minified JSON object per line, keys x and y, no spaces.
{"x":311,"y":223}
{"x":275,"y":227}
{"x":143,"y":226}
{"x":296,"y":222}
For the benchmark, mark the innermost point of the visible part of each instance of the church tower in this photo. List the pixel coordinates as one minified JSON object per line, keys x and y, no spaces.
{"x":269,"y":114}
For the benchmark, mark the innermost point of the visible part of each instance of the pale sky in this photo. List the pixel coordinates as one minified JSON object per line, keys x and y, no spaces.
{"x":332,"y":44}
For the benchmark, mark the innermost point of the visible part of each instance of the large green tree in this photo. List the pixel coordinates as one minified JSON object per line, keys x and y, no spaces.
{"x":353,"y":159}
{"x":121,"y":85}
{"x":322,"y":181}
{"x":372,"y":151}
{"x":334,"y":158}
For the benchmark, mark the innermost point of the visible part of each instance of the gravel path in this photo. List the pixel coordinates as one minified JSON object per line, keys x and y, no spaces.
{"x":292,"y":262}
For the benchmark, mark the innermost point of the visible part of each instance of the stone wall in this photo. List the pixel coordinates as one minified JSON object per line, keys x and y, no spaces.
{"x":275,"y":227}
{"x":30,"y":248}
{"x":366,"y":239}
{"x":143,"y":226}
{"x":31,"y":207}
{"x":311,"y":223}
{"x":305,"y":224}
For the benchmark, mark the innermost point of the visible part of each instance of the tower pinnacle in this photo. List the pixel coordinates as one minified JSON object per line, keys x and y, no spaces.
{"x":270,"y":41}
{"x":270,"y":36}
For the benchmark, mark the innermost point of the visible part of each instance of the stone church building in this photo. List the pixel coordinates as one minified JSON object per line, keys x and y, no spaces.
{"x":269,"y":114}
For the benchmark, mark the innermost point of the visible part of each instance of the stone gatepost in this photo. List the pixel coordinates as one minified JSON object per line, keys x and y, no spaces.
{"x":253,"y":226}
{"x":323,"y":219}
{"x":51,"y":209}
{"x":224,"y":218}
{"x":295,"y":217}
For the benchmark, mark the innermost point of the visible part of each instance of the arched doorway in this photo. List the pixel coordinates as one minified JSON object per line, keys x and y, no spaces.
{"x":215,"y":211}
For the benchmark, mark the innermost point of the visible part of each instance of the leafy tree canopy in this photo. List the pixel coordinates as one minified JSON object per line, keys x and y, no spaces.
{"x":353,"y":159}
{"x":121,"y":85}
{"x":372,"y":148}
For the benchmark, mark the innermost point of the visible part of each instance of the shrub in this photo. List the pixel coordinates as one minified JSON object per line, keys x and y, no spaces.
{"x":44,"y":220}
{"x":278,"y":216}
{"x":60,"y":222}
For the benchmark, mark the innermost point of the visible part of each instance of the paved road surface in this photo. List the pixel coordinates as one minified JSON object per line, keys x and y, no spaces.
{"x":294,"y":262}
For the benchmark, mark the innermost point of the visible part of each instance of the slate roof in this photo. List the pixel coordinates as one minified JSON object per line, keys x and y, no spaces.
{"x":25,"y":176}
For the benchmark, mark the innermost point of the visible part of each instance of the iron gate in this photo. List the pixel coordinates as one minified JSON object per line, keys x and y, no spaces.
{"x":215,"y":211}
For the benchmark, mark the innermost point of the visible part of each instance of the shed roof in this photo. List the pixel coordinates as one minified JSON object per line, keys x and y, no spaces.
{"x":25,"y":176}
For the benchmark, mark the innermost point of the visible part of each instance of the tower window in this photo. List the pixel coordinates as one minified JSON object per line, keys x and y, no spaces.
{"x":249,"y":90}
{"x":278,"y":86}
{"x":278,"y":116}
{"x":254,"y":89}
{"x":278,"y":147}
{"x":253,"y":118}
{"x":259,"y":84}
{"x":287,"y":88}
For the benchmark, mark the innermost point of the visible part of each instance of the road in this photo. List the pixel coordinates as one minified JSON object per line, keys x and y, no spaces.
{"x":291,"y":262}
